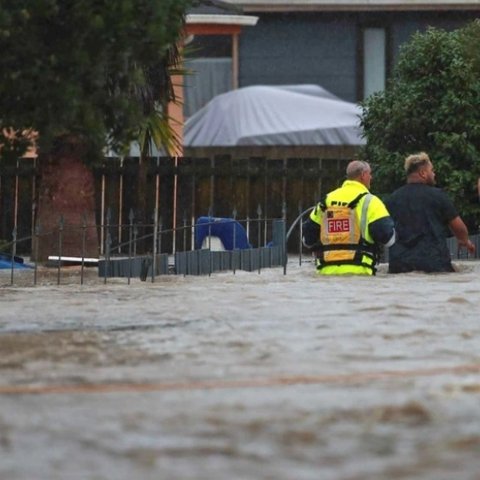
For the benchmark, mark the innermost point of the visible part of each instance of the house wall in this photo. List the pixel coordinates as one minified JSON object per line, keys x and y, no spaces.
{"x":300,"y":48}
{"x":325,"y":48}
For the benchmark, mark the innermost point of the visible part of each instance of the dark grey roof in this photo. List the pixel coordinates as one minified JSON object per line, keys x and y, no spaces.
{"x":214,"y":7}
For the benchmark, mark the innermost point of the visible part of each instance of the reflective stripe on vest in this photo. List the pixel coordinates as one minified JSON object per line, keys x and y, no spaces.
{"x":363,"y":217}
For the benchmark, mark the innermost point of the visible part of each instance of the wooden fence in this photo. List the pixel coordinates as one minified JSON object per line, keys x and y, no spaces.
{"x":181,"y":189}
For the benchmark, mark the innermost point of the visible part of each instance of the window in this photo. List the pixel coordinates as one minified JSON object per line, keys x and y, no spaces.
{"x":374,"y":60}
{"x":210,"y":71}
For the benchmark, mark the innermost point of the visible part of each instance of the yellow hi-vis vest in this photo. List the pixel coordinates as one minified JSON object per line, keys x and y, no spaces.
{"x":343,"y":233}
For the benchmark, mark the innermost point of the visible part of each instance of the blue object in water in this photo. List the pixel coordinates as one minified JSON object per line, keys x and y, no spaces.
{"x":6,"y":262}
{"x":229,"y":231}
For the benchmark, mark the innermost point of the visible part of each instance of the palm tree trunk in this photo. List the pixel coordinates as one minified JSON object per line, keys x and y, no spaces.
{"x":66,"y":195}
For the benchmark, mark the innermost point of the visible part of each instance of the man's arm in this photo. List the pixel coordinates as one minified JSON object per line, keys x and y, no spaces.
{"x":381,"y":225}
{"x":311,"y":233}
{"x":383,"y":231}
{"x":311,"y":229}
{"x":459,"y":229}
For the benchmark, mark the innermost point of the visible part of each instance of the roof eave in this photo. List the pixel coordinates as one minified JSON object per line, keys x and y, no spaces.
{"x":353,"y":5}
{"x":241,"y":20}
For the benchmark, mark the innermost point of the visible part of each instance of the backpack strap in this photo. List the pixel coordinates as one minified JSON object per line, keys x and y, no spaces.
{"x":351,"y":205}
{"x":355,"y":201}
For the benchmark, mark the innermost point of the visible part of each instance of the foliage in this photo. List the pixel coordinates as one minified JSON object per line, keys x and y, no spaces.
{"x":430,"y":104}
{"x":157,"y":128}
{"x":95,"y":69}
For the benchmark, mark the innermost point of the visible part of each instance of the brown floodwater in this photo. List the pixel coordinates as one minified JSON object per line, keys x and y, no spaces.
{"x":245,"y":376}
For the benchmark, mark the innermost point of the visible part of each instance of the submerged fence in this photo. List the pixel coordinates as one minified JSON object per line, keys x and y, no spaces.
{"x":199,"y":256}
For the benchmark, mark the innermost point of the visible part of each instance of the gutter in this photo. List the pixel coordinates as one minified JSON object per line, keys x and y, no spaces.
{"x":241,"y":20}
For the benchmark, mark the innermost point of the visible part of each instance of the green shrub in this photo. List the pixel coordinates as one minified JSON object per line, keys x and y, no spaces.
{"x":431,"y":104}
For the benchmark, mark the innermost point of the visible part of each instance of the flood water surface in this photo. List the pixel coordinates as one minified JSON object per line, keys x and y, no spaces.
{"x":245,"y":376}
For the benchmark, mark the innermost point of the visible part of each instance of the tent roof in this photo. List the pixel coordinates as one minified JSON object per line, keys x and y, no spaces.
{"x":217,"y":7}
{"x":275,"y":115}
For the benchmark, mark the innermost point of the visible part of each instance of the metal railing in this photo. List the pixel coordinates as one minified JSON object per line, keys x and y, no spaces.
{"x":267,"y":238}
{"x":122,"y":260}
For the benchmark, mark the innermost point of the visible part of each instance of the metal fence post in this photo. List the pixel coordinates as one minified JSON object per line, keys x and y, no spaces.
{"x":234,"y":215}
{"x":300,"y":244}
{"x":184,"y":223}
{"x":108,"y":242}
{"x":135,"y":235}
{"x":210,"y":216}
{"x":234,"y":246}
{"x":154,"y":246}
{"x":259,"y":223}
{"x":131,"y":217}
{"x":37,"y":235}
{"x":14,"y":252}
{"x":84,"y":242}
{"x":60,"y":247}
{"x":159,"y":239}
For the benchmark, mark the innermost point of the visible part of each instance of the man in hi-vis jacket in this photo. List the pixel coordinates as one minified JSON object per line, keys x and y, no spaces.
{"x":346,"y":229}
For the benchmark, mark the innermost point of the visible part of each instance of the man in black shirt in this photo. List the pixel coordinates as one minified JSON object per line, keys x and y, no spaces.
{"x":423,"y":214}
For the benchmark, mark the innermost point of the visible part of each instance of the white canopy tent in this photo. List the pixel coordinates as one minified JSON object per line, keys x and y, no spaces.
{"x":275,"y":116}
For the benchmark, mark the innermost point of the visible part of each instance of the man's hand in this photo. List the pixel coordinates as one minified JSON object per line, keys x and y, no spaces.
{"x":459,"y":229}
{"x":468,"y":245}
